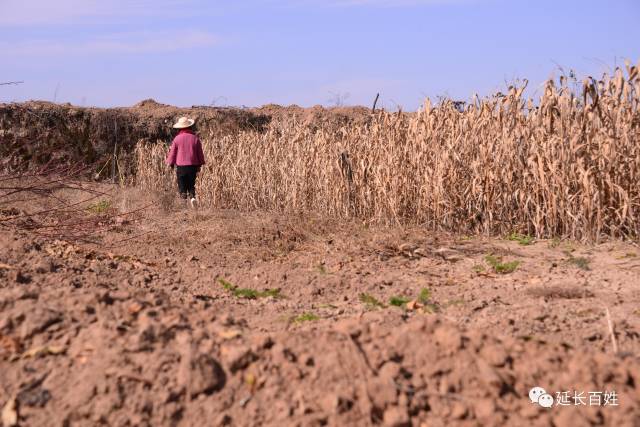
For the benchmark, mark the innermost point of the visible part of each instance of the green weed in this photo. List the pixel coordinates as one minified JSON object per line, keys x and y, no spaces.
{"x":424,"y":297}
{"x":580,"y":262}
{"x":398,"y":301}
{"x":306,"y":317}
{"x":226,"y":285}
{"x":554,"y":243}
{"x":329,"y":306}
{"x":247,"y":293}
{"x":523,"y":239}
{"x":455,"y":302}
{"x":478,"y":268}
{"x":501,"y":267}
{"x":370,"y":301}
{"x":100,"y":207}
{"x":627,"y":255}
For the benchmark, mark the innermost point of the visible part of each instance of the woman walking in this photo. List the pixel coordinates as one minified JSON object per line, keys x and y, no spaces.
{"x":186,"y":154}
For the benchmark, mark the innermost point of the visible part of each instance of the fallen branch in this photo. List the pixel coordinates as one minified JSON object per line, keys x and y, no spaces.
{"x":611,"y":331}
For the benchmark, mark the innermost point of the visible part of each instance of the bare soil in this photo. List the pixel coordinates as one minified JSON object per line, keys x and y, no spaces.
{"x":151,"y":322}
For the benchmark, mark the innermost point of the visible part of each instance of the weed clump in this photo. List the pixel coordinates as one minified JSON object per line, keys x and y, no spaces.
{"x":306,"y":317}
{"x":501,"y":267}
{"x":581,"y":262}
{"x":424,"y":297}
{"x":370,"y":301}
{"x":478,"y":268}
{"x":100,"y":207}
{"x":247,"y":293}
{"x":398,"y":301}
{"x":523,"y":239}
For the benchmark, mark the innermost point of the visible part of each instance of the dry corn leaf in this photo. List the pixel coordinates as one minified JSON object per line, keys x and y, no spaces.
{"x":10,"y":413}
{"x":4,"y":266}
{"x":134,"y":308}
{"x":9,"y":344}
{"x":485,"y":274}
{"x":414,"y":305}
{"x":44,"y":351}
{"x":251,"y":381}
{"x":230,"y":334}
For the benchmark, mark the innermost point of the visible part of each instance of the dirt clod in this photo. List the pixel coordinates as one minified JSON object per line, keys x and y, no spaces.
{"x":396,"y":416}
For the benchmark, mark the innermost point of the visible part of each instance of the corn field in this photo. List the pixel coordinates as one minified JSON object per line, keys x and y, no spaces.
{"x":565,"y":165}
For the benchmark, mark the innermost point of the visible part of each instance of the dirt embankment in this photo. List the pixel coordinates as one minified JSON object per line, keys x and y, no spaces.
{"x":37,"y":133}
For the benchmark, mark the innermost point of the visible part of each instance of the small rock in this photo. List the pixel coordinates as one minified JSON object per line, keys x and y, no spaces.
{"x":334,"y":403}
{"x":494,"y":354}
{"x":223,"y":420}
{"x":207,"y":376}
{"x":237,"y":358}
{"x":261,"y":342}
{"x":10,"y":413}
{"x":20,"y":277}
{"x":45,"y":266}
{"x":39,"y":321}
{"x":458,"y":411}
{"x":389,"y":371}
{"x":228,"y":320}
{"x":570,"y":418}
{"x":349,"y":327}
{"x":145,"y":338}
{"x":449,"y":338}
{"x":35,"y":397}
{"x":530,"y":411}
{"x":383,"y":392}
{"x":122,"y":221}
{"x":120,"y":295}
{"x":282,"y":409}
{"x":484,"y":408}
{"x":448,"y":254}
{"x":396,"y":416}
{"x":489,"y":375}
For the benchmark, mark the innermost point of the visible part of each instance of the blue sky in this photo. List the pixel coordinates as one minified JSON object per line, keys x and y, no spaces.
{"x":305,"y":52}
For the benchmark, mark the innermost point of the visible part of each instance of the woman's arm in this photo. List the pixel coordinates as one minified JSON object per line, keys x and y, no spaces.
{"x":173,"y":153}
{"x":199,"y":152}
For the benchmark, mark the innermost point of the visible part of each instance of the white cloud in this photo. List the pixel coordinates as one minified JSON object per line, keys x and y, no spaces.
{"x":377,"y":3}
{"x":16,"y":13}
{"x":33,"y":12}
{"x":391,"y":3}
{"x":121,"y":43}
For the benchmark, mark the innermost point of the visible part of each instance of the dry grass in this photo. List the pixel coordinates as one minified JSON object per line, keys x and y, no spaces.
{"x":568,"y":165}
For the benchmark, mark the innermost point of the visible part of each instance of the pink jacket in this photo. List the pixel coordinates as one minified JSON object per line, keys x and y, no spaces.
{"x":186,"y":150}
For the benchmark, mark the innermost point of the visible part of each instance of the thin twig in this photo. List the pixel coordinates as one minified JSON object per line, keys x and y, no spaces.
{"x":611,"y":332}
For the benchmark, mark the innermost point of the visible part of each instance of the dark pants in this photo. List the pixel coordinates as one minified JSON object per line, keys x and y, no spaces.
{"x":187,"y":180}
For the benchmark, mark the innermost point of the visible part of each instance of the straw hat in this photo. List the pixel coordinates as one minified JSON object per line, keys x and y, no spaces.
{"x":183,"y":123}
